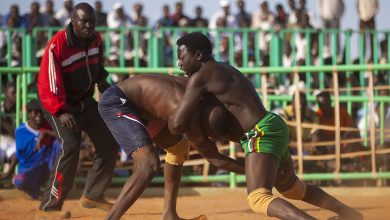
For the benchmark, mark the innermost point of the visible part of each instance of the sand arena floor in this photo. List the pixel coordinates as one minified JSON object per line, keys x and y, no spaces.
{"x":215,"y":203}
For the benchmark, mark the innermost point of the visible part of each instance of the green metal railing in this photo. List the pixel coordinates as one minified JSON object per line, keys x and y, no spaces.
{"x":155,"y":64}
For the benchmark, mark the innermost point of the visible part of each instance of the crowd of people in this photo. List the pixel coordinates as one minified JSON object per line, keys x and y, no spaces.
{"x":46,"y":148}
{"x":297,"y":16}
{"x":34,"y":149}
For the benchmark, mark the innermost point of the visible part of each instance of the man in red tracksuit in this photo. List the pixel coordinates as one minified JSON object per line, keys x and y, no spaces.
{"x":70,"y":68}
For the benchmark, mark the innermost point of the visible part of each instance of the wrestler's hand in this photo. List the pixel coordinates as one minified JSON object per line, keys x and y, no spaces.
{"x":68,"y":121}
{"x":103,"y":86}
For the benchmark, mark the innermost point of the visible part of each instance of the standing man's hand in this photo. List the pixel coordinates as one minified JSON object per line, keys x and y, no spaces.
{"x":103,"y":86}
{"x":68,"y":121}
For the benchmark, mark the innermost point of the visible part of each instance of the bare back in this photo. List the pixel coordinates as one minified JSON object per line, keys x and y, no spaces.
{"x":234,"y":90}
{"x":157,"y":97}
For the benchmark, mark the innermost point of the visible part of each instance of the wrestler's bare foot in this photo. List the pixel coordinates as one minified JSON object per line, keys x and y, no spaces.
{"x":176,"y":217}
{"x":351,"y":214}
{"x":170,"y":216}
{"x":201,"y":217}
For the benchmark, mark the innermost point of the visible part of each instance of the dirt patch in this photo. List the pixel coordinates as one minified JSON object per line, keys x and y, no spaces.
{"x":215,"y":203}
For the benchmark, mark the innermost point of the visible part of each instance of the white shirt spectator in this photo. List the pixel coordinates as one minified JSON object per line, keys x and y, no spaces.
{"x":7,"y":148}
{"x":230,"y":19}
{"x":300,"y":43}
{"x":63,"y":16}
{"x":114,"y":21}
{"x":331,"y":9}
{"x":263,"y":20}
{"x":365,"y":117}
{"x":367,"y":9}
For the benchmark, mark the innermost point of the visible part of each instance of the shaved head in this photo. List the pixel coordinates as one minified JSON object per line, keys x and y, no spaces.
{"x":83,"y":21}
{"x":85,"y":7}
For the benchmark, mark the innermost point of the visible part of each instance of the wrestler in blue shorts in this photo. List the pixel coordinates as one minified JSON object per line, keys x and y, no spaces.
{"x":122,"y":118}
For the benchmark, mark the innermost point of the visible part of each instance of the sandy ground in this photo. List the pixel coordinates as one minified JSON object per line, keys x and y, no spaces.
{"x":215,"y":203}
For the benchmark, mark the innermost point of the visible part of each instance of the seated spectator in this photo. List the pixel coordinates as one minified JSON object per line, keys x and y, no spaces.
{"x":326,"y":116}
{"x":307,"y":116}
{"x":7,"y":155}
{"x":8,"y":109}
{"x":34,"y":141}
{"x":364,"y":117}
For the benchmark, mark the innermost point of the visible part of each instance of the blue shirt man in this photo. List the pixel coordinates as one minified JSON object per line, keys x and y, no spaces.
{"x":34,"y":151}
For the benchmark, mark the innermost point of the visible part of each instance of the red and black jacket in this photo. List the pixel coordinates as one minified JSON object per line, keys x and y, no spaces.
{"x":68,"y":72}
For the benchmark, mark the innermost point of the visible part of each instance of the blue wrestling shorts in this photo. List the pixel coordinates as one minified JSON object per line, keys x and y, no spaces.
{"x":121,"y":117}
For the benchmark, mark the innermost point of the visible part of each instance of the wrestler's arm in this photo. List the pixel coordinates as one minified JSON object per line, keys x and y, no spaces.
{"x":195,"y":89}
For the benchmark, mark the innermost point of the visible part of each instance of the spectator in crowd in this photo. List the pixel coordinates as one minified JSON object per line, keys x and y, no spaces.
{"x":263,"y":19}
{"x":166,"y":20}
{"x":223,"y":45}
{"x":113,"y":61}
{"x":137,"y":16}
{"x":118,"y":18}
{"x":16,"y":42}
{"x":17,"y":18}
{"x":179,"y":14}
{"x":292,"y":22}
{"x":7,"y":154}
{"x":287,"y":59}
{"x":281,"y":17}
{"x":35,"y":18}
{"x":223,"y":13}
{"x":63,"y":14}
{"x":63,"y":76}
{"x":242,"y":18}
{"x":364,"y":116}
{"x":331,"y":12}
{"x":184,"y":23}
{"x":34,"y":141}
{"x":293,"y":14}
{"x":50,"y":14}
{"x":307,"y":116}
{"x":141,"y":21}
{"x":367,"y":10}
{"x":384,"y":53}
{"x":326,"y":116}
{"x":199,"y":21}
{"x":8,"y":109}
{"x":301,"y":40}
{"x":11,"y":20}
{"x":115,"y":19}
{"x":303,"y":11}
{"x":101,"y":16}
{"x":3,"y":51}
